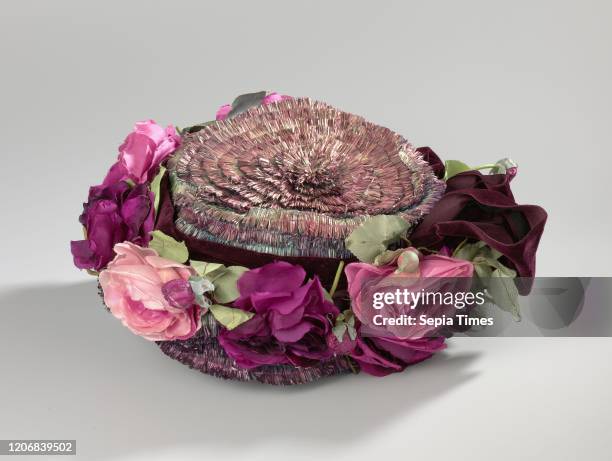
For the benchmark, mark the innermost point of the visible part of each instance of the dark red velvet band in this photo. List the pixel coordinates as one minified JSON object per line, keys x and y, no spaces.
{"x":475,"y":206}
{"x":201,"y":250}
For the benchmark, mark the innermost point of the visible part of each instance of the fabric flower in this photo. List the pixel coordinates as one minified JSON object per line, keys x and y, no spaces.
{"x":383,"y":356}
{"x":275,"y":97}
{"x":142,"y":152}
{"x":381,"y":350}
{"x":433,"y":274}
{"x":150,"y":294}
{"x":224,"y":110}
{"x":482,"y":207}
{"x":291,"y":323}
{"x":113,"y":214}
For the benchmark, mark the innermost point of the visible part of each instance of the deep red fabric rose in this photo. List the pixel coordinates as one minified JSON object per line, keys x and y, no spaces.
{"x":482,"y":207}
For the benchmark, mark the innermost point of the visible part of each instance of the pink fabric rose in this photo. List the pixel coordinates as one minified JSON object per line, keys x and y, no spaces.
{"x":432,"y":273}
{"x":142,"y":152}
{"x":225,"y":109}
{"x":381,"y":350}
{"x":149,"y":294}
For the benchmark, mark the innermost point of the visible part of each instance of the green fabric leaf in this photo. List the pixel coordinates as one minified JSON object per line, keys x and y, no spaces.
{"x":476,"y":252}
{"x":351,"y":320}
{"x":373,"y":236}
{"x":345,"y":322}
{"x":229,"y":317}
{"x":198,"y":127}
{"x":468,"y":251}
{"x":208,"y":270}
{"x":493,"y":276}
{"x":226,"y":284}
{"x":225,"y":279}
{"x":168,"y":248}
{"x":493,"y":263}
{"x":155,"y":186}
{"x":339,"y":331}
{"x":503,"y":290}
{"x":245,"y":101}
{"x":454,"y":167}
{"x":483,"y":270}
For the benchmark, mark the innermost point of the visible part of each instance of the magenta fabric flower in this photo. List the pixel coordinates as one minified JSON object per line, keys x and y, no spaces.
{"x":225,"y":109}
{"x":275,"y":97}
{"x":142,"y":152}
{"x":150,"y":295}
{"x":223,"y":112}
{"x":292,"y":319}
{"x":113,"y":214}
{"x":433,"y":273}
{"x":383,"y":356}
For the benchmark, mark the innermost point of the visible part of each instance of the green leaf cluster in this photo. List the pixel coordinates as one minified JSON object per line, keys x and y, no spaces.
{"x":372,"y":237}
{"x":168,"y":248}
{"x":454,"y":167}
{"x":155,"y":184}
{"x":497,"y":279}
{"x":345,"y":322}
{"x":229,"y":317}
{"x":224,"y":278}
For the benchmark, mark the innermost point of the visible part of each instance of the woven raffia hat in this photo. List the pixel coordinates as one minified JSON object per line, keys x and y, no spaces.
{"x":208,"y":218}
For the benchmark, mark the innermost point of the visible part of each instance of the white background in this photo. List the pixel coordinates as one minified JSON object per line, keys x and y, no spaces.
{"x":476,"y":81}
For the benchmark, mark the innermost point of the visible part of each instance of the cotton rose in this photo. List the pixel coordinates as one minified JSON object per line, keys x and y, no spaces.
{"x":291,"y":323}
{"x":149,"y":294}
{"x":432,"y":274}
{"x":113,"y":214}
{"x":142,"y":152}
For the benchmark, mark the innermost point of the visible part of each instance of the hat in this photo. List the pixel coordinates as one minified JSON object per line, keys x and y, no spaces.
{"x":244,"y":246}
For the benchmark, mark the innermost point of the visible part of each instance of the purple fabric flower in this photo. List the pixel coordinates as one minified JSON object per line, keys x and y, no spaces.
{"x":113,"y":214}
{"x":292,"y":320}
{"x":383,"y":356}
